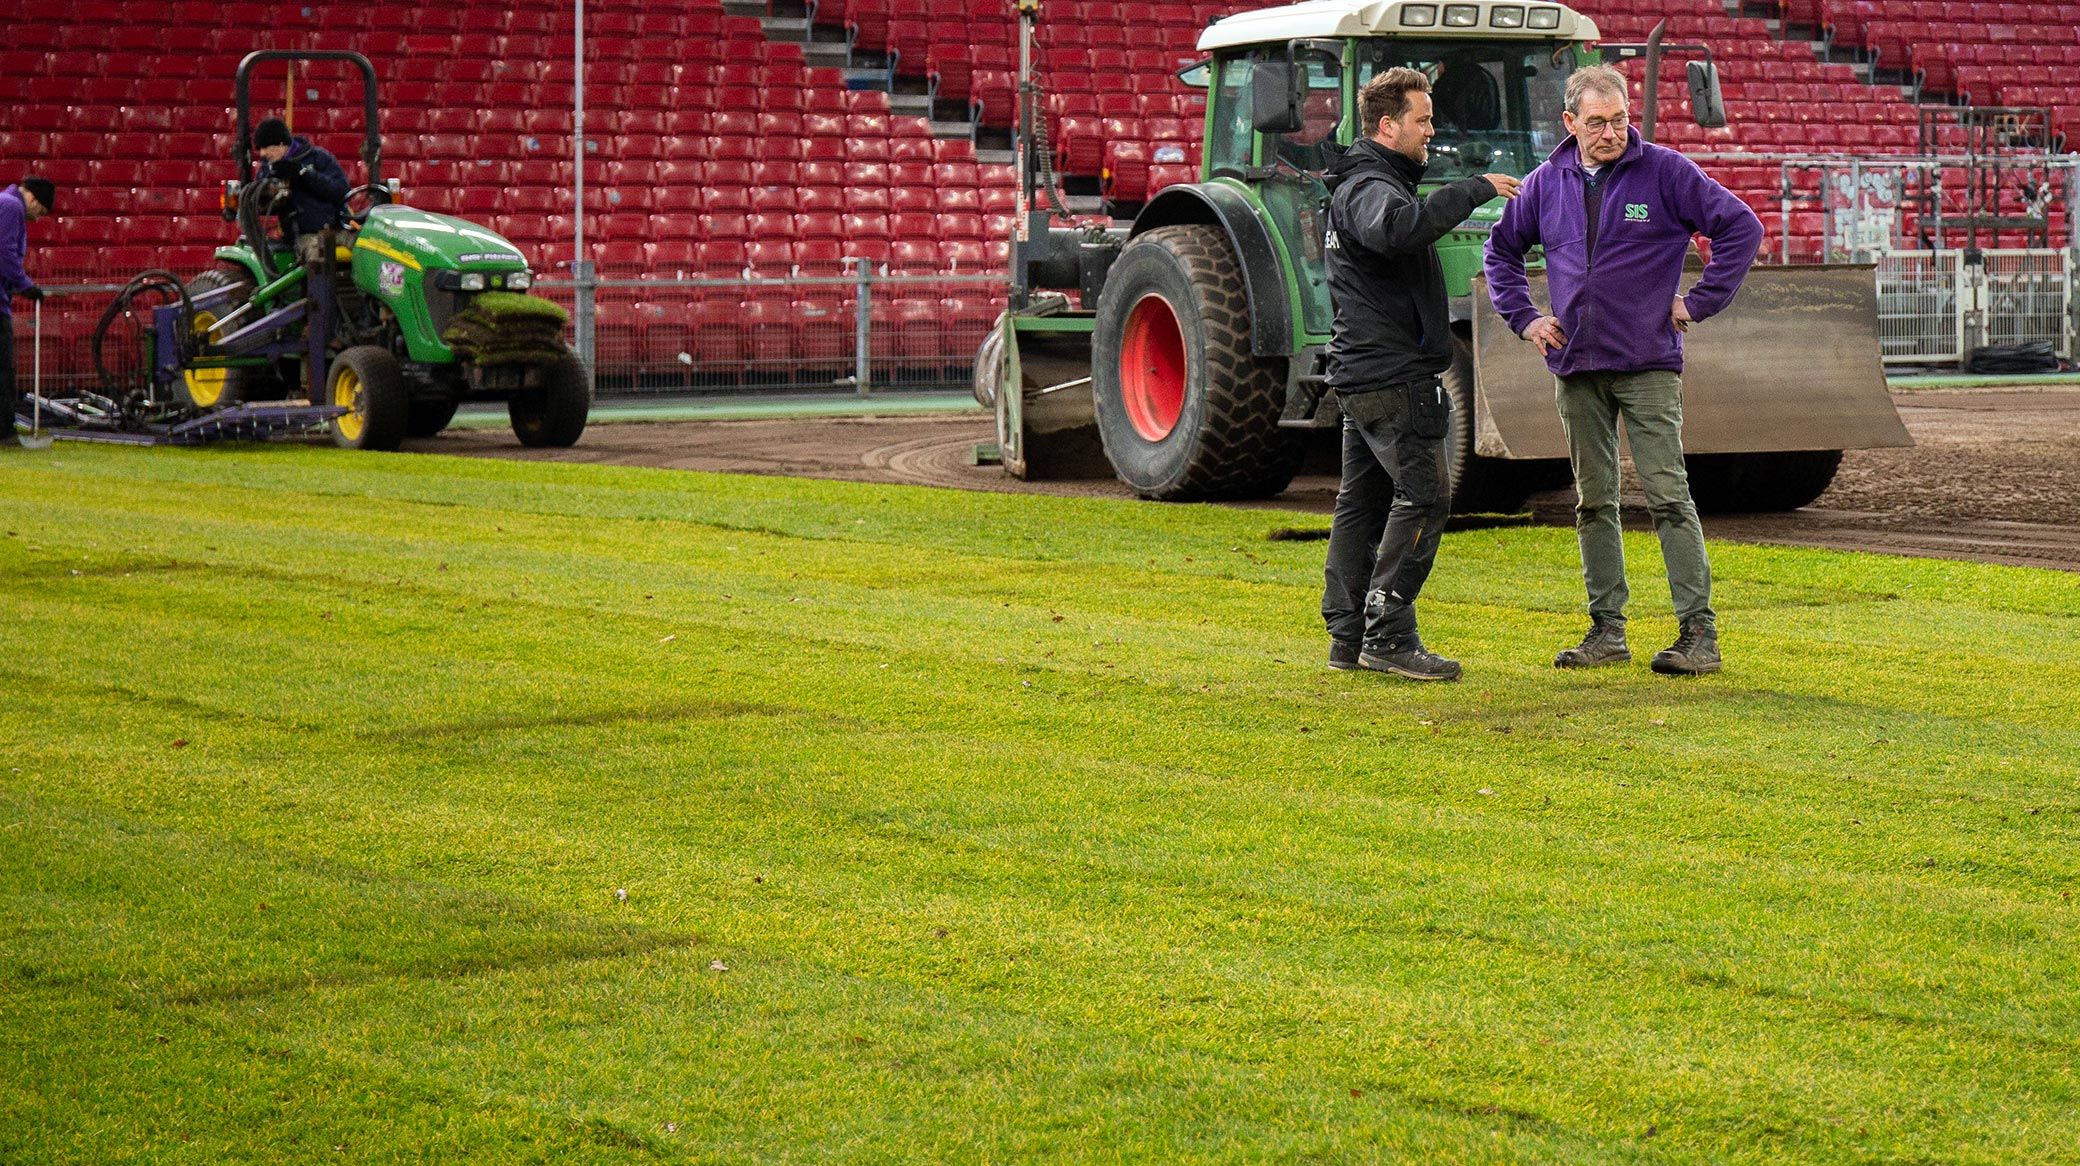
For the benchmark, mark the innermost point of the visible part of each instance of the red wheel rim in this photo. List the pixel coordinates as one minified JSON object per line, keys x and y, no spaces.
{"x":1151,"y":368}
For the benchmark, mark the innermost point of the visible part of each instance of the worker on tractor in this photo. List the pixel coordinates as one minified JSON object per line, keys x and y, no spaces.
{"x":20,"y":204}
{"x":317,"y":187}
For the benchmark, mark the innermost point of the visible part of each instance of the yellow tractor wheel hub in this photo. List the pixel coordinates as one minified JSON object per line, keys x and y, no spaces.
{"x":346,"y":394}
{"x":206,"y":385}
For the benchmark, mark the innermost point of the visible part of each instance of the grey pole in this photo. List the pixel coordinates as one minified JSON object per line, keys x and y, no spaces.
{"x":862,"y":348}
{"x":2072,"y":262}
{"x":581,"y":267}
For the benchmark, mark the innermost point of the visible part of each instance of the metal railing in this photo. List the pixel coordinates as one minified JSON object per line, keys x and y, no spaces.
{"x":860,"y":332}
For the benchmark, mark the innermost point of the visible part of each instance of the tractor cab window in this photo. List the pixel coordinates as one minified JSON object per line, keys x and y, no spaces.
{"x":1497,"y":105}
{"x":1232,"y":134}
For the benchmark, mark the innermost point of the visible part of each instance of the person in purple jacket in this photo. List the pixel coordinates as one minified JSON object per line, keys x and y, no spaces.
{"x":1615,"y":214}
{"x":21,"y":204}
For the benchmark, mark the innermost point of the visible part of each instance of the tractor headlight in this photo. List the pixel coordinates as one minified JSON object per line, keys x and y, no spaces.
{"x":1461,"y":15}
{"x":520,"y":280}
{"x":471,"y":281}
{"x":1506,"y":17}
{"x":1543,"y":18}
{"x":1419,"y":15}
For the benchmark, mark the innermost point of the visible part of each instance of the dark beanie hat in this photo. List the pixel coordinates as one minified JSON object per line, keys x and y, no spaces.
{"x":272,"y":132}
{"x":43,"y":190}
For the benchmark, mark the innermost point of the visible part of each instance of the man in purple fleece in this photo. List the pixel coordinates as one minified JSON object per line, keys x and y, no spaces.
{"x":1615,"y":215}
{"x":20,"y":204}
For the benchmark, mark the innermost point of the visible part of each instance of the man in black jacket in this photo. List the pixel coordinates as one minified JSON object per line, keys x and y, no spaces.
{"x":317,"y":186}
{"x":1392,"y":339}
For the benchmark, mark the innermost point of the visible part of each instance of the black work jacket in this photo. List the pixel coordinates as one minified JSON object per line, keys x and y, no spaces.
{"x":1392,"y":318}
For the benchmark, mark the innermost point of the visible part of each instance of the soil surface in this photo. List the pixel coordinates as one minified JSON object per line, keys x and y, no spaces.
{"x":1994,"y":475}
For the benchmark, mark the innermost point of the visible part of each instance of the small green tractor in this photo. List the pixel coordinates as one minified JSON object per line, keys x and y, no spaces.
{"x":1193,"y":368}
{"x":383,"y":330}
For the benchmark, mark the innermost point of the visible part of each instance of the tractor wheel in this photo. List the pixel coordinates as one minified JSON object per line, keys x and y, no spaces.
{"x":555,"y":413}
{"x":989,"y":366}
{"x":425,"y":418}
{"x":221,"y":388}
{"x":1186,"y":412}
{"x":367,"y":382}
{"x":1759,"y":483}
{"x":1485,"y":485}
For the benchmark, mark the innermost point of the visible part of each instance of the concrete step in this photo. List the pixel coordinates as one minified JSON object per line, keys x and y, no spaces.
{"x":953,"y":129}
{"x":783,"y":28}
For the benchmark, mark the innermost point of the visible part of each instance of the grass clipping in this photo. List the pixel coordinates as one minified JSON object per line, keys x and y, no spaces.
{"x":507,"y":328}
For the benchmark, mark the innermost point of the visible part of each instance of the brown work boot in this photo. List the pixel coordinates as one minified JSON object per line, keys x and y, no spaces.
{"x":1605,"y":644}
{"x":1694,"y":653}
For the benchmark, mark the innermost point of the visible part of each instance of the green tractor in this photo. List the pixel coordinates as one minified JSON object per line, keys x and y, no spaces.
{"x":384,"y":330}
{"x":1194,"y":366}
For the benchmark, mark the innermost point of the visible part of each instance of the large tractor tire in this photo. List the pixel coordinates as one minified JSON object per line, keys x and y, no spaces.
{"x":989,"y":366}
{"x":427,"y":418}
{"x":221,"y":388}
{"x":1186,"y":412}
{"x":1486,"y":485}
{"x":554,"y":414}
{"x":1759,"y":483}
{"x":367,"y":382}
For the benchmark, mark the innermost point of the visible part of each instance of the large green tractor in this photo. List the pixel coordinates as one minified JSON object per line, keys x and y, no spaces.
{"x":384,"y":329}
{"x":1193,"y":367}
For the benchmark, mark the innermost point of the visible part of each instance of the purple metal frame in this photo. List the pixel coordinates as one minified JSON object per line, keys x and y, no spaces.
{"x":316,"y":307}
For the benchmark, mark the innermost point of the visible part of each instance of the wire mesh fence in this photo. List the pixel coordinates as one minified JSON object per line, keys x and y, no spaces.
{"x":864,"y":332}
{"x":1918,"y":311}
{"x":2028,"y":299}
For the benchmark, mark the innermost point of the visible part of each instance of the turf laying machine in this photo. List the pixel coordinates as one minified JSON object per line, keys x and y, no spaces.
{"x":377,"y":335}
{"x":1194,"y":368}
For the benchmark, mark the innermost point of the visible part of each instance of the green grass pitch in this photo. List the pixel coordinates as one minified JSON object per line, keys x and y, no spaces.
{"x":980,"y":828}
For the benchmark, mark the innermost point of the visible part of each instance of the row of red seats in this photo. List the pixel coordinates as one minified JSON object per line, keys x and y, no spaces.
{"x":839,"y":13}
{"x":1936,"y":66}
{"x":1135,"y":170}
{"x":1793,"y":138}
{"x":793,"y":335}
{"x":625,"y":17}
{"x":730,"y":258}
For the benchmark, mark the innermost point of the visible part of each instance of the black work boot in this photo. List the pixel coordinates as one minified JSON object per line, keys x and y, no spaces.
{"x":1605,"y":644}
{"x":1406,"y":656}
{"x":1343,"y":656}
{"x":1694,"y":653}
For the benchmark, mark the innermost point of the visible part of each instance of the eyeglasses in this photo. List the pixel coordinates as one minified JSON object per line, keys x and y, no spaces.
{"x":1596,"y":127}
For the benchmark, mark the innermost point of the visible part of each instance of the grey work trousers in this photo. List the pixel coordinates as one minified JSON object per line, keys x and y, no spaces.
{"x":1651,"y":402}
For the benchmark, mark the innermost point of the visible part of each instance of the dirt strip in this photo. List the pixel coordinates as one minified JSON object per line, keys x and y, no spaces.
{"x":1994,"y":475}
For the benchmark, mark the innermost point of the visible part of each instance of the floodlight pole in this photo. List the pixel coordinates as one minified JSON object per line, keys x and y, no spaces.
{"x":581,"y":267}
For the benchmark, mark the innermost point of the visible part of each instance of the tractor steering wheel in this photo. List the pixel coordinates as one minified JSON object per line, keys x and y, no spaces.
{"x":376,"y":194}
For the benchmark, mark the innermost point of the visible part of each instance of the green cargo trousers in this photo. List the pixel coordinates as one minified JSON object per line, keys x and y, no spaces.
{"x":1651,"y":403}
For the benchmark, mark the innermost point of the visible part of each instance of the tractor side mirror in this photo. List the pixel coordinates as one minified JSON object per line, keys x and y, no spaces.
{"x":1274,"y":88}
{"x":1706,"y":103}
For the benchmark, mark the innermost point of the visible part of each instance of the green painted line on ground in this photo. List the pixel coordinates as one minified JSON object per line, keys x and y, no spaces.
{"x":1960,"y":381}
{"x":745,"y":409}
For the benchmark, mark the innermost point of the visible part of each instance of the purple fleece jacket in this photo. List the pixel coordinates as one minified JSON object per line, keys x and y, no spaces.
{"x":1654,"y":199}
{"x":14,"y":248}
